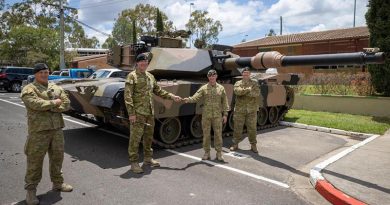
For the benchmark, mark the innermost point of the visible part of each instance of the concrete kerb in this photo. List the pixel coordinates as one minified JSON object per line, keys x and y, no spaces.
{"x":326,"y":189}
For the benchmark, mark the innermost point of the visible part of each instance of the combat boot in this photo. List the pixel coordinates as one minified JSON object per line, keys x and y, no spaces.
{"x":254,"y":148}
{"x":31,"y":197}
{"x":136,"y":168}
{"x":206,"y":156}
{"x":151,"y":162}
{"x":62,"y":187}
{"x":234,"y":147}
{"x":219,"y":157}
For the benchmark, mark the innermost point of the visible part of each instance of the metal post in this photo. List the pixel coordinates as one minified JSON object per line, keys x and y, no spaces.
{"x":354,"y":13}
{"x":62,"y":52}
{"x":281,"y":23}
{"x":191,"y":4}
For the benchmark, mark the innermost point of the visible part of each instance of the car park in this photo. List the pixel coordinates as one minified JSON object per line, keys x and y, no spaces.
{"x":11,"y":77}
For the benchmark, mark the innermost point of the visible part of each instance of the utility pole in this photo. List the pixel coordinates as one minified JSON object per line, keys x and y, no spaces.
{"x":191,"y":4}
{"x":281,"y":27}
{"x":62,"y":47}
{"x":62,"y":24}
{"x":354,"y":13}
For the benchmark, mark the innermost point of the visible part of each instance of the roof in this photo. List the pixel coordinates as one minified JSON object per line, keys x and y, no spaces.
{"x":89,"y":57}
{"x":338,"y":34}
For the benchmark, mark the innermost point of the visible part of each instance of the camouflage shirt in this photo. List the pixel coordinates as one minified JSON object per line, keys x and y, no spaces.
{"x":139,"y":90}
{"x":215,"y":100}
{"x":247,"y":96}
{"x":42,"y":112}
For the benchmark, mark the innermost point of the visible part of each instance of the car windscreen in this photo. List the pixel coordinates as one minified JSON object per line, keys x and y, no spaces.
{"x":100,"y":74}
{"x":56,"y":73}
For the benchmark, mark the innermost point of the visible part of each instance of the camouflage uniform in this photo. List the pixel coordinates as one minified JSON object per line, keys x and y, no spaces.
{"x":215,"y":105}
{"x":245,"y":109}
{"x":139,"y":90}
{"x":45,"y":133}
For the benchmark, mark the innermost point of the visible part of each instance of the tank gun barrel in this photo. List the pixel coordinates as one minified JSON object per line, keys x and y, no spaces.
{"x":273,"y":59}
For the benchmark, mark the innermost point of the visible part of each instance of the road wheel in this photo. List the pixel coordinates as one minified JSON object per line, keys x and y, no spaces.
{"x":169,"y":130}
{"x":262,"y":116}
{"x":273,"y":115}
{"x":196,"y":126}
{"x":16,"y":87}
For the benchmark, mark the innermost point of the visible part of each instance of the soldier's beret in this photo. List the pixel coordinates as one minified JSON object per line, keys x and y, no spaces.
{"x":211,"y":73}
{"x":246,"y":69}
{"x":144,"y":56}
{"x":40,"y":66}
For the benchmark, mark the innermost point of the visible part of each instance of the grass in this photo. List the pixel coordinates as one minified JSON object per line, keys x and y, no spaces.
{"x":348,"y":122}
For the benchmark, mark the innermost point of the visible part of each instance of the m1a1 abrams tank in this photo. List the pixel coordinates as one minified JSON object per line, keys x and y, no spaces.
{"x":182,"y":71}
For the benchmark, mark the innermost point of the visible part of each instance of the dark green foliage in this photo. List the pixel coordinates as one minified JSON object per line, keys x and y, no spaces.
{"x":29,"y":32}
{"x":134,"y":32}
{"x":159,"y":22}
{"x":378,"y":21}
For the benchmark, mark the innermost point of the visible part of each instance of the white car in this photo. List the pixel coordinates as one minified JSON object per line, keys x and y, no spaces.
{"x":109,"y":73}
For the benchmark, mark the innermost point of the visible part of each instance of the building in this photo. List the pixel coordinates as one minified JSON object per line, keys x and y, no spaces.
{"x":322,"y":42}
{"x":92,"y":61}
{"x":87,"y":51}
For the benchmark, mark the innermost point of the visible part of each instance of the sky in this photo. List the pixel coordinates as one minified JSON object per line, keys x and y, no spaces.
{"x":241,"y":20}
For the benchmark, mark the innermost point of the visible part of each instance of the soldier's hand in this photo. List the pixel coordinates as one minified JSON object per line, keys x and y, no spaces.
{"x":185,"y":100}
{"x":132,"y":118}
{"x":224,"y":119}
{"x":177,"y":98}
{"x":57,"y":101}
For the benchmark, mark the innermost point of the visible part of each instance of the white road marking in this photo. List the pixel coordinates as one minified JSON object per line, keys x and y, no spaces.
{"x":281,"y":184}
{"x":237,"y":155}
{"x":315,"y":173}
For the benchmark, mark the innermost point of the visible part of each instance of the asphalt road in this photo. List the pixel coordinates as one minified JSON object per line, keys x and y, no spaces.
{"x":96,"y":164}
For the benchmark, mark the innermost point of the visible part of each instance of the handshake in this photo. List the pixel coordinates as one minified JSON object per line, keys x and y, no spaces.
{"x":180,"y":99}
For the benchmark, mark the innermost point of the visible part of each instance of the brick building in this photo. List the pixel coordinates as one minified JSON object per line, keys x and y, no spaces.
{"x":322,"y":42}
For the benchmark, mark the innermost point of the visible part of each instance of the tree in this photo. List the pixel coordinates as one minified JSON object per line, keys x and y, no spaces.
{"x":271,"y":32}
{"x":1,"y":4}
{"x":378,"y":23}
{"x":145,"y":16}
{"x":159,"y":22}
{"x":204,"y":28}
{"x":122,"y":32}
{"x":37,"y":24}
{"x":109,"y":43}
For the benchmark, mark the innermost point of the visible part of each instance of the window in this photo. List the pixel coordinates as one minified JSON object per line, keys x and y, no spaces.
{"x":65,"y":73}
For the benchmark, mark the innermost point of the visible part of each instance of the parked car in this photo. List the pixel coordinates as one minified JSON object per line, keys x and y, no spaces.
{"x":11,"y":77}
{"x":71,"y":73}
{"x":109,"y":73}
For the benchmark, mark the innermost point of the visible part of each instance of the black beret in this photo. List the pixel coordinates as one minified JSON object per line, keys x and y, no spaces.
{"x":40,"y":66}
{"x":144,"y":56}
{"x":211,"y":73}
{"x":246,"y":69}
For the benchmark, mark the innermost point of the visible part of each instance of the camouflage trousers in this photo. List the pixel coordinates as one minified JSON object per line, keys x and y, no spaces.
{"x":250,"y":120}
{"x":139,"y":130}
{"x":37,"y":144}
{"x":216,"y":124}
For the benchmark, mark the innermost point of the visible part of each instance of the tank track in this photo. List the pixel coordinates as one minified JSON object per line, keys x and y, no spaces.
{"x":186,"y":140}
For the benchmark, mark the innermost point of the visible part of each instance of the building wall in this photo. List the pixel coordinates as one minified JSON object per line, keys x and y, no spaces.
{"x":98,"y":63}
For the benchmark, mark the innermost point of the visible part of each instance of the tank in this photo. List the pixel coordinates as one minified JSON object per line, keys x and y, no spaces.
{"x":182,"y":71}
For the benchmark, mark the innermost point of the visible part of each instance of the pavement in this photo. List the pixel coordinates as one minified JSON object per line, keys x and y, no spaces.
{"x":359,"y":174}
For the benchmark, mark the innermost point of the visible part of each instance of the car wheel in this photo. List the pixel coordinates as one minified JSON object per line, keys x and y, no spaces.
{"x":16,"y":87}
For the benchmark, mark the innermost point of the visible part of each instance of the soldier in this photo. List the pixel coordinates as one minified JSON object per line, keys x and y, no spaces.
{"x":139,"y":89}
{"x":44,"y":103}
{"x":247,"y":94}
{"x":215,"y":112}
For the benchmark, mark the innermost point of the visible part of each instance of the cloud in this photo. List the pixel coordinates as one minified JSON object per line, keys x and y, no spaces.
{"x":238,"y":18}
